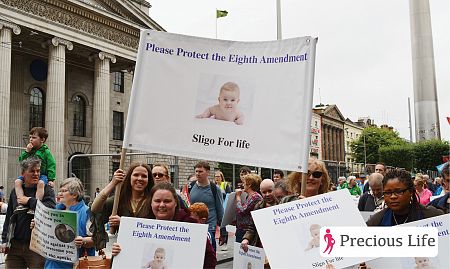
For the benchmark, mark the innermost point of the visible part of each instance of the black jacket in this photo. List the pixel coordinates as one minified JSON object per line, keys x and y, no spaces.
{"x":22,"y":232}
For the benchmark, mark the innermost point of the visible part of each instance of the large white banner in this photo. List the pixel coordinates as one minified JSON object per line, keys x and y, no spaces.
{"x":148,"y":243}
{"x":290,"y":232}
{"x":237,"y":102}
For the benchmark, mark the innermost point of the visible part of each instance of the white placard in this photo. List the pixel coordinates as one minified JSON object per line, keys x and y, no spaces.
{"x":442,"y":223}
{"x":290,"y":232}
{"x":180,"y":78}
{"x":54,"y":233}
{"x":143,"y":241}
{"x":252,"y":259}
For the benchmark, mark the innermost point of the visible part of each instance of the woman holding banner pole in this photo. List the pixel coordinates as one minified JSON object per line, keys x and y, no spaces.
{"x":317,"y":181}
{"x":134,"y":195}
{"x":71,"y":193}
{"x":402,"y":201}
{"x":166,"y":206}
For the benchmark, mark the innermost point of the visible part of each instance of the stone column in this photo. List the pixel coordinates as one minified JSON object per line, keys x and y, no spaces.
{"x":330,"y":143}
{"x":55,"y":102}
{"x":101,"y":118}
{"x":5,"y":89}
{"x":343,"y":145}
{"x":325,"y":142}
{"x":335,"y":145}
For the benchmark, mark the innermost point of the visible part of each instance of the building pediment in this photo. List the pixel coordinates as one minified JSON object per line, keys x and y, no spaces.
{"x":333,"y":112}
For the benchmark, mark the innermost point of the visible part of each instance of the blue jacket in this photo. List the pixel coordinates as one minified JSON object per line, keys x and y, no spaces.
{"x":83,"y":216}
{"x":441,"y":202}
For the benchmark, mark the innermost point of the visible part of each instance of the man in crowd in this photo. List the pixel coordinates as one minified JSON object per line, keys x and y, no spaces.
{"x":251,"y":235}
{"x":277,"y":175}
{"x":373,"y":199}
{"x":379,"y":168}
{"x":202,"y":191}
{"x":18,"y":238}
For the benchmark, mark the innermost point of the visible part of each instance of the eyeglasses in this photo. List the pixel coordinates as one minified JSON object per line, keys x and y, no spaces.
{"x":158,"y":175}
{"x":315,"y":174}
{"x":396,"y":192}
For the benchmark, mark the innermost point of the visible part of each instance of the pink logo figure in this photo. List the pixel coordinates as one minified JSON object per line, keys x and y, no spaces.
{"x":330,"y":241}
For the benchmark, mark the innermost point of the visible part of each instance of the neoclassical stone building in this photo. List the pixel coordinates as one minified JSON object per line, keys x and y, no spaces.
{"x":68,"y":65}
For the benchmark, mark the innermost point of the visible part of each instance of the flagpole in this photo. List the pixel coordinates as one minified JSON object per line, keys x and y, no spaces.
{"x":279,"y":37}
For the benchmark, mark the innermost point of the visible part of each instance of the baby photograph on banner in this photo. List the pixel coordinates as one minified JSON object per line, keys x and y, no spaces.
{"x":224,"y":99}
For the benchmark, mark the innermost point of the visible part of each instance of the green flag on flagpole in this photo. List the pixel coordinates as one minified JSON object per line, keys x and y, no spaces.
{"x":221,"y":13}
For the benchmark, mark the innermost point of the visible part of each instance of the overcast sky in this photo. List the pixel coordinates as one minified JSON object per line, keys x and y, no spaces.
{"x":363,"y":60}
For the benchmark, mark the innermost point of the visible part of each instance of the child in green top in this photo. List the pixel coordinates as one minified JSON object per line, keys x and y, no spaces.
{"x":36,"y":147}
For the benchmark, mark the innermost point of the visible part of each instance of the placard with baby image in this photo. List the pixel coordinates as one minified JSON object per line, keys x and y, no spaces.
{"x":54,"y":232}
{"x":157,"y":244}
{"x":295,"y":228}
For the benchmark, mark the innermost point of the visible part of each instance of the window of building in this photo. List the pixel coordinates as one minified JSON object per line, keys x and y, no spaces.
{"x":117,"y":125}
{"x":36,"y":108}
{"x":79,"y":116}
{"x":118,"y":85}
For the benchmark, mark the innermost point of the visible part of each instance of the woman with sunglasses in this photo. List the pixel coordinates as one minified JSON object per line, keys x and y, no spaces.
{"x":317,"y":182}
{"x":403,"y":205}
{"x":160,"y":174}
{"x":134,"y":195}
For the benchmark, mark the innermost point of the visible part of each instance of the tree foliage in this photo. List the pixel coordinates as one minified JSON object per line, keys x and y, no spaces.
{"x":371,"y":140}
{"x":398,"y":156}
{"x":428,"y":154}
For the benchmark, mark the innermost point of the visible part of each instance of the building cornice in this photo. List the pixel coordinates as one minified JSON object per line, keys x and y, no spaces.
{"x":67,"y":15}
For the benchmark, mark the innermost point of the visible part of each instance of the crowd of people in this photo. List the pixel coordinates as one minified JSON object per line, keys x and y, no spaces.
{"x":147,"y":192}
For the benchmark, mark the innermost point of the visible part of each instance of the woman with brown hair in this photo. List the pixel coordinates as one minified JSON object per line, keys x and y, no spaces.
{"x":165,"y":206}
{"x":134,"y":195}
{"x":317,"y":182}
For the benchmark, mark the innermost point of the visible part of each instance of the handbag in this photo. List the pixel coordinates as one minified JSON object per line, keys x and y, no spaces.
{"x":94,"y":262}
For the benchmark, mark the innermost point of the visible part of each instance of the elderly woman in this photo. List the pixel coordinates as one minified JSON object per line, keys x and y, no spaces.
{"x":165,"y":206}
{"x":71,"y":198}
{"x":317,"y":181}
{"x":401,"y":199}
{"x":134,"y":194}
{"x":353,"y":187}
{"x":250,"y":184}
{"x":423,"y":193}
{"x":373,"y":199}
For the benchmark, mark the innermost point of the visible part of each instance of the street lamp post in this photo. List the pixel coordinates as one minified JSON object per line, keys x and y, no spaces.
{"x":365,"y":152}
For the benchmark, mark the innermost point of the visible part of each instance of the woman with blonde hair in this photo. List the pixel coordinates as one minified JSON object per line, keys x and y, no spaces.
{"x":422,"y":192}
{"x":317,"y":181}
{"x":250,"y":185}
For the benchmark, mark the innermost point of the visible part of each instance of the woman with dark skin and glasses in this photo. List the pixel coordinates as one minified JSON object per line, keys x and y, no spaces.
{"x":317,"y":182}
{"x":402,"y":201}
